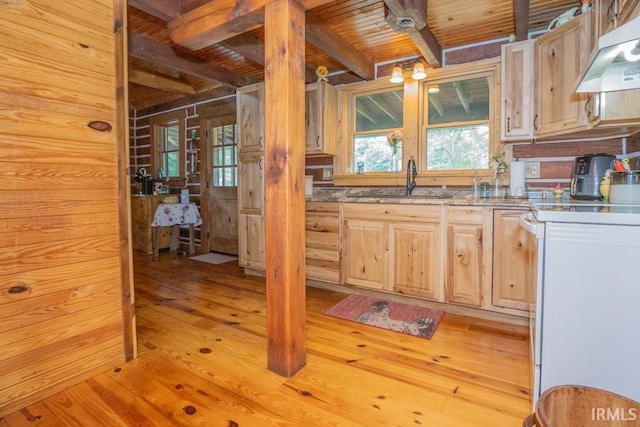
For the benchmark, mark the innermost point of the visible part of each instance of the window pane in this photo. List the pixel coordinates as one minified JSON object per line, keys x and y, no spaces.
{"x":225,"y":155}
{"x":172,"y":138}
{"x":459,"y":101}
{"x":172,"y":164}
{"x":375,"y":153}
{"x":379,"y":111}
{"x":459,"y":147}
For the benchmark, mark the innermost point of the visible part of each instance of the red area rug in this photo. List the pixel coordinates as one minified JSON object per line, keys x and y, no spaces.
{"x":408,"y":319}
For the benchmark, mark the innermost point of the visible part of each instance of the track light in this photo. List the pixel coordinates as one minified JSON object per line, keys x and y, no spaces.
{"x":415,"y":65}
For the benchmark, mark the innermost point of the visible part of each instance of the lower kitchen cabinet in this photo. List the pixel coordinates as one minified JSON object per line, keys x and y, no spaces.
{"x":464,"y":280}
{"x":143,"y":208}
{"x":322,"y":237}
{"x":512,"y":262}
{"x":393,"y":248}
{"x":365,"y":254}
{"x":415,"y":259}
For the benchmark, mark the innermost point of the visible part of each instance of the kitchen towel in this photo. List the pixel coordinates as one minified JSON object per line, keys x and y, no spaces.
{"x":516,"y":179}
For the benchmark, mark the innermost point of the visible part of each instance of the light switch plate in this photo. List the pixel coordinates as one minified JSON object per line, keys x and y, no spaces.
{"x":326,"y":174}
{"x":532,"y":170}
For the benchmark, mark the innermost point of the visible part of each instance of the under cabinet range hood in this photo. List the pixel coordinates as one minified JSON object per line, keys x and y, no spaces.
{"x":615,"y":63}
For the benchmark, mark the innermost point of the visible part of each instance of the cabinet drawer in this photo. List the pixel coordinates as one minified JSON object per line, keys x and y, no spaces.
{"x":381,"y":212}
{"x":465,"y":215}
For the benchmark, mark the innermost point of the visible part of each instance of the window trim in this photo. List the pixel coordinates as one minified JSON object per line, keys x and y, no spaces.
{"x":157,"y":123}
{"x":494,"y":128}
{"x":413,"y":138}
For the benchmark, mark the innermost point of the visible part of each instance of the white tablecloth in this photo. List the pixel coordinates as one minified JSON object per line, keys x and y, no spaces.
{"x":176,"y":214}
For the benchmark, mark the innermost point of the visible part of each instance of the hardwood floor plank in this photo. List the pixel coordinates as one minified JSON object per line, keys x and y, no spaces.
{"x":203,"y":361}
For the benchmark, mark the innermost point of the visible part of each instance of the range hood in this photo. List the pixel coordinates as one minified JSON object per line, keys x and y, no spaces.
{"x":615,"y":63}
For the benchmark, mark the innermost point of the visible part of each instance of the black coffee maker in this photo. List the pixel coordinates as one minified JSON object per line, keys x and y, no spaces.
{"x":144,"y":183}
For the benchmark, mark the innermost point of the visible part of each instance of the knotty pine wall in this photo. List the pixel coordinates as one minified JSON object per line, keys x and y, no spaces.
{"x":66,"y":298}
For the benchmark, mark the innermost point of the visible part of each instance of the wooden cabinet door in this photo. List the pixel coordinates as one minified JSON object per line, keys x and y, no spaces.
{"x":463,"y":282}
{"x":512,"y":261}
{"x":250,"y":117}
{"x":560,"y":57}
{"x":414,"y":254}
{"x":321,"y":119}
{"x":365,"y":254}
{"x":251,"y":183}
{"x":517,"y":91}
{"x":251,"y":241}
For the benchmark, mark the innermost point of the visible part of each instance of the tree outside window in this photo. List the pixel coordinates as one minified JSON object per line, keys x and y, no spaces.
{"x":377,"y":115}
{"x":457,"y":122}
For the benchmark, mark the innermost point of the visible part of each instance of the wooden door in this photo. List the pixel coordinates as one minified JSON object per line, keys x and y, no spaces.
{"x":223,"y":220}
{"x":512,"y":261}
{"x":414,"y":254}
{"x":517,"y":91}
{"x":365,"y":254}
{"x":463,"y":284}
{"x":250,"y":116}
{"x":561,"y":56}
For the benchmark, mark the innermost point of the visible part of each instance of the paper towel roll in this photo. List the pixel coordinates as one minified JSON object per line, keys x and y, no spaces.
{"x":516,"y":179}
{"x":308,"y":185}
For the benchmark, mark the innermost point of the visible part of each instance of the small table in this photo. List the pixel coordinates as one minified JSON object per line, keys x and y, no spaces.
{"x":175,"y":215}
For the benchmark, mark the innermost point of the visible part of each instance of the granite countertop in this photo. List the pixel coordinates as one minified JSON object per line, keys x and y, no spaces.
{"x":421,"y":196}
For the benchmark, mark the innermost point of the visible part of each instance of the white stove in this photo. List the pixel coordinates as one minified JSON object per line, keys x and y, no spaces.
{"x":585,"y":321}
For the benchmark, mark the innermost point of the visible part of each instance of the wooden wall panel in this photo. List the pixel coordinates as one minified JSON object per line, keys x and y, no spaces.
{"x":62,"y":242}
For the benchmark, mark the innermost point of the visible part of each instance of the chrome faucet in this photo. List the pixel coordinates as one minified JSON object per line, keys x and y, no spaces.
{"x":411,"y":175}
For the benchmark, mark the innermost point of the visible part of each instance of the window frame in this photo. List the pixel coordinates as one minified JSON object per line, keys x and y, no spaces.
{"x":492,"y":122}
{"x":414,"y":138}
{"x":211,"y":128}
{"x":158,"y":124}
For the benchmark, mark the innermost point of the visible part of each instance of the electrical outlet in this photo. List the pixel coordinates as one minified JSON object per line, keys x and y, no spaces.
{"x":326,"y":174}
{"x":532,"y":170}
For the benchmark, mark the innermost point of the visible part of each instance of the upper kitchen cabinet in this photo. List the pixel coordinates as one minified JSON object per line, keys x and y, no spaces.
{"x":321,"y":119}
{"x":517,"y":91}
{"x":250,"y":117}
{"x":560,"y":57}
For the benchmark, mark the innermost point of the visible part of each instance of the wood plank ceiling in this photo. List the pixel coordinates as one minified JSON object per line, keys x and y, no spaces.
{"x":171,"y":55}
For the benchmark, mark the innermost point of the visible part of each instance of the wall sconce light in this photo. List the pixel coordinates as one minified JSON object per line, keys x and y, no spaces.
{"x":400,"y":67}
{"x":434,"y":89}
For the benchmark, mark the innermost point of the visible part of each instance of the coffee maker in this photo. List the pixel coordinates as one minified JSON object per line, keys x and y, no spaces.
{"x":587,"y":174}
{"x":144,"y":183}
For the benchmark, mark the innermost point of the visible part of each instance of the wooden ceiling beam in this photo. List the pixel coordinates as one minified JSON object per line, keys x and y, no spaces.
{"x":216,"y":21}
{"x":164,"y":84}
{"x":150,"y":50}
{"x":252,"y":48}
{"x":415,"y":10}
{"x":423,"y":38}
{"x":521,"y":17}
{"x":163,"y":9}
{"x":319,"y":35}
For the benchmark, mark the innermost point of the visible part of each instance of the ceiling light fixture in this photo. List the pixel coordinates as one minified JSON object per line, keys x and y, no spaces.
{"x":415,"y":66}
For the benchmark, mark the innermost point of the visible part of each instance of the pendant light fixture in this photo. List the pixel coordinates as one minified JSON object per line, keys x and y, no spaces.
{"x":414,"y":65}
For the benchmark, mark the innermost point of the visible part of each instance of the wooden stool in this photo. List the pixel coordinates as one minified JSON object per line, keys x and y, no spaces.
{"x":579,"y":406}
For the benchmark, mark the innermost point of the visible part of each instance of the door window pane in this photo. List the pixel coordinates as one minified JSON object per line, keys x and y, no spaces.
{"x":225,"y":156}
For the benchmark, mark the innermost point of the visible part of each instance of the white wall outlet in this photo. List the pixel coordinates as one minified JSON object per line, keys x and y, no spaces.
{"x":532,"y":170}
{"x":326,"y":174}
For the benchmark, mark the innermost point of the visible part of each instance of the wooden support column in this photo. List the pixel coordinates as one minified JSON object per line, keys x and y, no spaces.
{"x":284,"y":186}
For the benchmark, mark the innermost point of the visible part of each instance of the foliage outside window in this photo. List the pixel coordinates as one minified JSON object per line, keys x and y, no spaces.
{"x":457,"y":124}
{"x":376,"y":116}
{"x":225,"y":156}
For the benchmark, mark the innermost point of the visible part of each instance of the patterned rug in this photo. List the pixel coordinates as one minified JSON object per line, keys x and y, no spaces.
{"x":408,"y":319}
{"x":214,"y":258}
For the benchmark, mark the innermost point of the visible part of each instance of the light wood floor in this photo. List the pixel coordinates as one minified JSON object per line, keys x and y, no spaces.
{"x":202,"y":344}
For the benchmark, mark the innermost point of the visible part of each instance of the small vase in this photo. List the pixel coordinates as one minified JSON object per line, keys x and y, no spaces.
{"x":498,"y":188}
{"x":394,"y":162}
